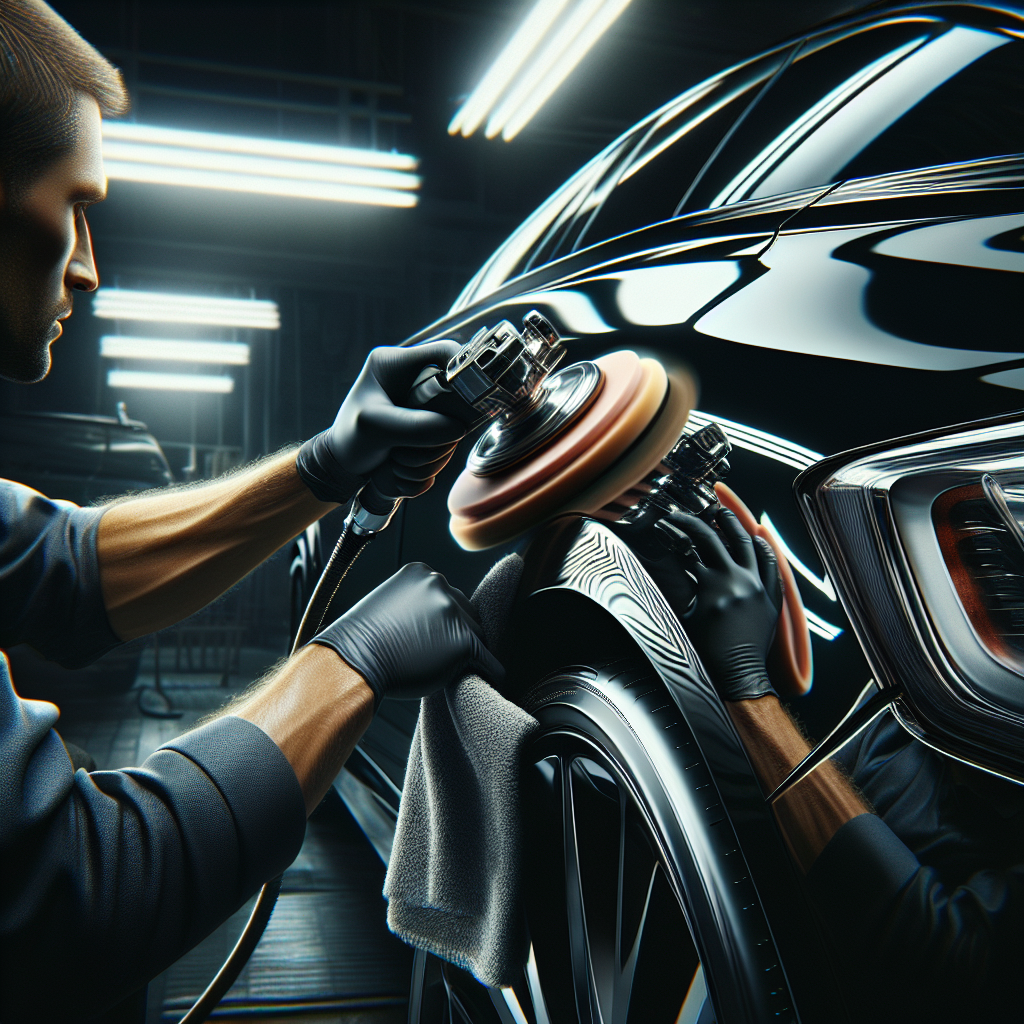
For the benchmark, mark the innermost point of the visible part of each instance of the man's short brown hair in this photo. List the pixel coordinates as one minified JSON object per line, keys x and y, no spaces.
{"x":44,"y":65}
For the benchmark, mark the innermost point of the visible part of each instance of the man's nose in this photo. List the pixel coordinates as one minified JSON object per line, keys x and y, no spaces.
{"x":81,"y":272}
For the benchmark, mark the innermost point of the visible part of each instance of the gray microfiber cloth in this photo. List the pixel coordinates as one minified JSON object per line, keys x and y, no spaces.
{"x":453,"y":884}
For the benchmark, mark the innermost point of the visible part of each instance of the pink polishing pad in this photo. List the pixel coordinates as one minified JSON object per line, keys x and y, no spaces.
{"x":790,"y":660}
{"x":475,"y":496}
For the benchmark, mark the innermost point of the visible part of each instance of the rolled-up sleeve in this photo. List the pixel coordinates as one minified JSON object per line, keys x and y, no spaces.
{"x":50,"y":595}
{"x":111,"y":876}
{"x":914,"y":948}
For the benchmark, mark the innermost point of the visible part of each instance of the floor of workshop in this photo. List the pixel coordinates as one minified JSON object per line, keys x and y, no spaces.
{"x":327,"y":956}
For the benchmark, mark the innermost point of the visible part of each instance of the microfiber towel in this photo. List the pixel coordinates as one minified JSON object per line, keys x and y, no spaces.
{"x":453,"y":882}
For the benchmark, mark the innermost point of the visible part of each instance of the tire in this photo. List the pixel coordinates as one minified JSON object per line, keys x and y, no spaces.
{"x":651,"y":863}
{"x":611,"y":877}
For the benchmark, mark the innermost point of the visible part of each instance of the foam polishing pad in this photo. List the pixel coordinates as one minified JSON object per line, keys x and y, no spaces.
{"x":790,"y":662}
{"x":633,"y":423}
{"x":622,"y":378}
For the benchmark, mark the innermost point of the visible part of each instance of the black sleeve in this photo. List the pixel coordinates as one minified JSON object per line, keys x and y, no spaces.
{"x":50,"y":595}
{"x":108,"y":878}
{"x":915,"y":949}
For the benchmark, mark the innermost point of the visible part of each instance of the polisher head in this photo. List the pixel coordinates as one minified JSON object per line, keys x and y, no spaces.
{"x":598,"y":432}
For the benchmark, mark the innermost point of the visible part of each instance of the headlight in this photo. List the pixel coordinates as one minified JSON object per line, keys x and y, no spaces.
{"x":922,"y":537}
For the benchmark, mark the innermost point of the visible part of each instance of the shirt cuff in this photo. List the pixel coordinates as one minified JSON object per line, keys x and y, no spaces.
{"x":92,"y":630}
{"x":258,"y":785}
{"x":858,"y":876}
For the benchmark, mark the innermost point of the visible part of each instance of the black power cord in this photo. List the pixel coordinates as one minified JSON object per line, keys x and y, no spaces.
{"x":346,"y":551}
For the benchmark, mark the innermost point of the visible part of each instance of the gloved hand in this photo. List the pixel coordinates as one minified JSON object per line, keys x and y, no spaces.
{"x":411,"y":636}
{"x":374,"y":435}
{"x":739,"y":595}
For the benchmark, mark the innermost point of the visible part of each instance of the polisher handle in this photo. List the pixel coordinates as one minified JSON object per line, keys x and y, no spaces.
{"x":373,"y":509}
{"x":431,"y":391}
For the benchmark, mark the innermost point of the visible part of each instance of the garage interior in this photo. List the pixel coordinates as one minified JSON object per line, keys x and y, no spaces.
{"x":338,"y":279}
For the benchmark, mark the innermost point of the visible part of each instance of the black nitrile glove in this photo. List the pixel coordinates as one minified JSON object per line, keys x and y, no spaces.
{"x":666,"y":553}
{"x":411,"y":636}
{"x":739,"y":594}
{"x":374,"y":435}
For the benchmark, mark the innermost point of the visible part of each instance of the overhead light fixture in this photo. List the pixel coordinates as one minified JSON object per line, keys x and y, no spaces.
{"x":497,"y":79}
{"x":233,"y":353}
{"x":172,"y":156}
{"x":516,"y":86}
{"x":216,"y":384}
{"x":124,"y":304}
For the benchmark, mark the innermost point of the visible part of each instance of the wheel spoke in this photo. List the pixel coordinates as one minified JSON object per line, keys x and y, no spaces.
{"x":587,"y":1007}
{"x":540,"y":1007}
{"x":624,"y":980}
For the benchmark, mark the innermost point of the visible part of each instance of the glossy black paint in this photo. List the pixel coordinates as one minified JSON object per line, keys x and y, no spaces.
{"x":831,"y":236}
{"x":831,"y":316}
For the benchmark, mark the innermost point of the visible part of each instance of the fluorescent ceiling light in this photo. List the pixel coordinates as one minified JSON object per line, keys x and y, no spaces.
{"x":125,"y":130}
{"x":233,"y":353}
{"x":497,"y":79}
{"x":170,"y":156}
{"x":584,"y":25}
{"x":170,"y":381}
{"x":122,"y":304}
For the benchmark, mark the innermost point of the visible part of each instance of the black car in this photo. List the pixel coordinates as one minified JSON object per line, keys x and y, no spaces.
{"x":831,"y":235}
{"x":81,"y":459}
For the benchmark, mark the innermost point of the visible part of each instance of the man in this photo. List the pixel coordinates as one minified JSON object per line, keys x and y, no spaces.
{"x":108,"y":878}
{"x":923,"y":900}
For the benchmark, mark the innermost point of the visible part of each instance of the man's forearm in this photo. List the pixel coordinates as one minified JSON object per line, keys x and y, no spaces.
{"x":814,"y":810}
{"x":315,"y":708}
{"x":166,"y":555}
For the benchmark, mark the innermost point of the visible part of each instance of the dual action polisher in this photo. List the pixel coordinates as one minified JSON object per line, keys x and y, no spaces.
{"x":602,"y":438}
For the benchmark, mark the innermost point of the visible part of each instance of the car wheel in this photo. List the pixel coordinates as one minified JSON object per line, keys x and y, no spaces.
{"x":612,"y":883}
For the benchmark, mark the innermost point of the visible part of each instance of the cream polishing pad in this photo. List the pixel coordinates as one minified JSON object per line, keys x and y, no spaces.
{"x":630,"y":447}
{"x":791,"y":662}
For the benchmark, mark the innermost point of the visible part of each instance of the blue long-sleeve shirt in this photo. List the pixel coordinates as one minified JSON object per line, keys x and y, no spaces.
{"x":107,"y":878}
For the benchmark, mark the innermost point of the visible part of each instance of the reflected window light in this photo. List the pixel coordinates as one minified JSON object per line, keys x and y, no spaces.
{"x":824,"y":584}
{"x":125,"y":304}
{"x":660,"y":296}
{"x":816,"y":147}
{"x":211,"y":383}
{"x":234,"y":353}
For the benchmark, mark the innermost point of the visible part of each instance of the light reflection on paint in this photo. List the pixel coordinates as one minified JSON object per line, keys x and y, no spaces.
{"x":824,"y":584}
{"x":771,"y":446}
{"x":819,"y":627}
{"x":659,"y":296}
{"x":578,"y":315}
{"x":962,"y":243}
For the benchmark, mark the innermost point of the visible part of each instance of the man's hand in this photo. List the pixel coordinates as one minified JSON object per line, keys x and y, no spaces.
{"x":739,"y":594}
{"x":412,"y":635}
{"x":374,"y":435}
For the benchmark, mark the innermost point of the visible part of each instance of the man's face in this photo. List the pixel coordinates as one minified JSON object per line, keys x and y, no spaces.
{"x":46,"y":252}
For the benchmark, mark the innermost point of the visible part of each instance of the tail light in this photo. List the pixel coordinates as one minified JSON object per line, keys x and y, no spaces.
{"x":923,"y":538}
